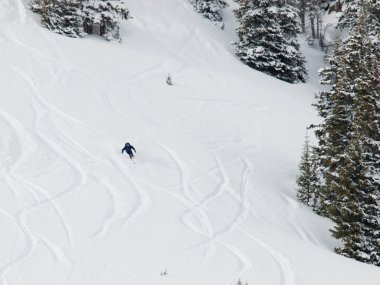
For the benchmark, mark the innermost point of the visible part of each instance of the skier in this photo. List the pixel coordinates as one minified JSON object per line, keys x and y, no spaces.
{"x":128,"y":149}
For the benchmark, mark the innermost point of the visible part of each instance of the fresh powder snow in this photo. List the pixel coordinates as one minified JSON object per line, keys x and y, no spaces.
{"x":211,"y":198}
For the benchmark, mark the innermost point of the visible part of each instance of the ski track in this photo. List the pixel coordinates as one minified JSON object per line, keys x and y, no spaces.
{"x":198,"y":212}
{"x":299,"y":229}
{"x":45,"y":114}
{"x":244,"y":209}
{"x":145,"y":200}
{"x":20,"y":217}
{"x":206,"y":228}
{"x":287,"y":275}
{"x":134,"y":78}
{"x":21,"y":136}
{"x":17,"y":182}
{"x":119,"y":217}
{"x":197,"y":217}
{"x":43,"y":110}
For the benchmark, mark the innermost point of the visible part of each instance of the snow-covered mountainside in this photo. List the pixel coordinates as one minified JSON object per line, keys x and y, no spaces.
{"x":211,"y":198}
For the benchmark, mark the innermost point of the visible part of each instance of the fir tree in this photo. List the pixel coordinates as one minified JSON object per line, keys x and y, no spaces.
{"x":334,"y":133}
{"x":75,"y":18}
{"x":107,"y":14}
{"x":349,"y":145}
{"x":356,"y":210}
{"x":210,"y":9}
{"x":346,"y":210}
{"x":351,"y":13}
{"x":308,"y":181}
{"x":35,"y":5}
{"x":267,"y":38}
{"x":367,"y":118}
{"x":63,"y":17}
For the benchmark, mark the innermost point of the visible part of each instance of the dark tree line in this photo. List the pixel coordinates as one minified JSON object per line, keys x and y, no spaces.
{"x":342,"y":181}
{"x":75,"y":18}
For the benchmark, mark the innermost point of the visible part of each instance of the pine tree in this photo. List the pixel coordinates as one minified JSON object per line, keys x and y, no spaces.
{"x":335,"y":132}
{"x":351,"y":13}
{"x":346,"y":210}
{"x":35,"y":5}
{"x":356,"y":210}
{"x":108,"y":14}
{"x":210,"y":9}
{"x":75,"y":18}
{"x":267,"y":38}
{"x":367,"y":121}
{"x":63,"y":17}
{"x":308,"y":180}
{"x":352,"y":175}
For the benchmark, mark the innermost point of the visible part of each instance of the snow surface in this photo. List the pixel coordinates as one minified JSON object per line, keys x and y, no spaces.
{"x":211,"y":198}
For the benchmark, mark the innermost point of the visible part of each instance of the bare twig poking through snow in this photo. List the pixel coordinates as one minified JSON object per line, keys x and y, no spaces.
{"x":164,"y":273}
{"x":169,"y":80}
{"x":239,"y":282}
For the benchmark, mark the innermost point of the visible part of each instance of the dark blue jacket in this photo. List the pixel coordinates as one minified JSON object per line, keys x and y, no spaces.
{"x":128,"y":149}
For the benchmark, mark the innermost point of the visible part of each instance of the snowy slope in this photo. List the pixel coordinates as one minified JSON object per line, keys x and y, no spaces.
{"x":211,"y":197}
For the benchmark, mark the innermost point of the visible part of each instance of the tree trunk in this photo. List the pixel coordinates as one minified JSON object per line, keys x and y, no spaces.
{"x":312,"y":27}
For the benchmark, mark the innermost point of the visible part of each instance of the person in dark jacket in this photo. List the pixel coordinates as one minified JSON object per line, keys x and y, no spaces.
{"x":128,"y":149}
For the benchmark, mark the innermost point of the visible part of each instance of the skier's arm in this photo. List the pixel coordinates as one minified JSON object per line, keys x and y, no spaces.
{"x":122,"y":151}
{"x":133,"y":148}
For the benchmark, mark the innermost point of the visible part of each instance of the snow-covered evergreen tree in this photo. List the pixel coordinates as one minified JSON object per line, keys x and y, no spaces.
{"x":210,"y":9}
{"x":75,"y":18}
{"x":63,"y":17}
{"x":35,"y":5}
{"x":351,"y":12}
{"x":268,"y":38}
{"x":107,"y":14}
{"x":366,"y":122}
{"x":308,"y":180}
{"x":356,"y":210}
{"x":335,"y":132}
{"x":346,"y":210}
{"x":349,"y":145}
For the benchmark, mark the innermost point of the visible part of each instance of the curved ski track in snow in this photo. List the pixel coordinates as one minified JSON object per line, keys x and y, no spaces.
{"x":84,"y":214}
{"x":49,"y":117}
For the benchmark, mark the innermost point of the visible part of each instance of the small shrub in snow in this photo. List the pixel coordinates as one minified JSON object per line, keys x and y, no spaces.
{"x":169,"y":80}
{"x":164,"y":273}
